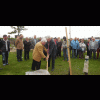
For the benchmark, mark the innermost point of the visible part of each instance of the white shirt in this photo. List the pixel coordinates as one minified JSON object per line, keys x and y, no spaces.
{"x":35,"y":41}
{"x":6,"y":44}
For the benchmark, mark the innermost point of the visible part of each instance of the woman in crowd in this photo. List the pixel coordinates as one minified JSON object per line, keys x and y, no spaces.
{"x":59,"y":47}
{"x":82,"y":49}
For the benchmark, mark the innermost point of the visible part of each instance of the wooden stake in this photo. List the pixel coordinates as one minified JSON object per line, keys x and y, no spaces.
{"x":68,"y":52}
{"x":47,"y":63}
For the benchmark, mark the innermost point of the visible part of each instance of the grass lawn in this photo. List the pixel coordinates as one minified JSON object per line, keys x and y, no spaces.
{"x":61,"y":67}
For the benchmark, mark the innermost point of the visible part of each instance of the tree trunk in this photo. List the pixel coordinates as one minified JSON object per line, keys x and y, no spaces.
{"x":18,"y":30}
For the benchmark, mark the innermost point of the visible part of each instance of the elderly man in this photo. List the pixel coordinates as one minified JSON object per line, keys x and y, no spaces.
{"x":98,"y":50}
{"x":38,"y":54}
{"x":33,"y":42}
{"x":93,"y":45}
{"x":56,"y":42}
{"x":75,"y":46}
{"x":0,"y":46}
{"x":19,"y":46}
{"x":5,"y":49}
{"x":27,"y":45}
{"x":59,"y":44}
{"x":51,"y":51}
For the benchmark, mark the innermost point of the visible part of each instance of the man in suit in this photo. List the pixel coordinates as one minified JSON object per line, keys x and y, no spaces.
{"x":59,"y":47}
{"x":87,"y":45}
{"x":56,"y":42}
{"x":5,"y":49}
{"x":38,"y":54}
{"x":33,"y":42}
{"x":52,"y":51}
{"x":98,"y":50}
{"x":19,"y":46}
{"x":93,"y":45}
{"x":27,"y":45}
{"x":0,"y":46}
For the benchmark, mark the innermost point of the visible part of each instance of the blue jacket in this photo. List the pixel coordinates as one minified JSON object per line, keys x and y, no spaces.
{"x":75,"y":45}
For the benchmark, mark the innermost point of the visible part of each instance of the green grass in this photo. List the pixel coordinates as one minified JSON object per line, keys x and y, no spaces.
{"x":61,"y":67}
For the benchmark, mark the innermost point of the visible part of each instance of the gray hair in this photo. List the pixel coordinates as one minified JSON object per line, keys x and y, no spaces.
{"x":48,"y":37}
{"x":43,"y":40}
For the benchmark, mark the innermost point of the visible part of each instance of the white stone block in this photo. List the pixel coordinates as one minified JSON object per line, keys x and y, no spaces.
{"x":86,"y":66}
{"x":38,"y":72}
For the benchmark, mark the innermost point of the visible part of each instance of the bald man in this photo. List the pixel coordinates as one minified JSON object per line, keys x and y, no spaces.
{"x":93,"y":45}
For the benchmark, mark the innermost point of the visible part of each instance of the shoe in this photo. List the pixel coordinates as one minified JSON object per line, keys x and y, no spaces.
{"x":7,"y":64}
{"x":18,"y":60}
{"x":0,"y":68}
{"x":52,"y":69}
{"x":4,"y":64}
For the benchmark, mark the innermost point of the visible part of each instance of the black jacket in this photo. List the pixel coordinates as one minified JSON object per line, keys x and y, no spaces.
{"x":3,"y":48}
{"x":52,"y":47}
{"x":0,"y":46}
{"x":27,"y":45}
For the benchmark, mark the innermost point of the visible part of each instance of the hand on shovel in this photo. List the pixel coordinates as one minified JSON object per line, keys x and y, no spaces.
{"x":47,"y":58}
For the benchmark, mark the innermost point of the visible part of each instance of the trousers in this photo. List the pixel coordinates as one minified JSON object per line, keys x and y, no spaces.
{"x":74,"y":52}
{"x":53,"y":61}
{"x":36,"y":65}
{"x":5,"y":57}
{"x":19,"y":55}
{"x":98,"y":51}
{"x":65,"y":53}
{"x":26,"y":54}
{"x":94,"y":53}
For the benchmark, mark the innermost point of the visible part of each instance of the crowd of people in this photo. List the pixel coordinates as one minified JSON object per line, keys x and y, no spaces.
{"x":48,"y":48}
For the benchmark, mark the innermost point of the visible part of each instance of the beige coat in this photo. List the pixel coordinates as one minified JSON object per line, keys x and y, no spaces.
{"x":19,"y":44}
{"x":38,"y":52}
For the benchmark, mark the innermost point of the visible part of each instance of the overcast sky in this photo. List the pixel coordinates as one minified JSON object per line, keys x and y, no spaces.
{"x":55,"y":31}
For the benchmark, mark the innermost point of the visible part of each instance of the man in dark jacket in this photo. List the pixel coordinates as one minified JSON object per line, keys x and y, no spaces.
{"x":0,"y":46}
{"x":59,"y":47}
{"x":56,"y":42}
{"x":87,"y":45}
{"x":27,"y":45}
{"x":5,"y":49}
{"x":50,"y":45}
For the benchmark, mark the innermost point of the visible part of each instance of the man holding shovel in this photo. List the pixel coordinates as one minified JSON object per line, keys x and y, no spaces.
{"x":38,"y":54}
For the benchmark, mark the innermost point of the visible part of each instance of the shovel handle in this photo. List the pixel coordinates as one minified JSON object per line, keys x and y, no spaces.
{"x":47,"y":63}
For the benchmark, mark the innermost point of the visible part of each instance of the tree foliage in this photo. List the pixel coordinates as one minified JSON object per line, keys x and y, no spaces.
{"x":17,"y":29}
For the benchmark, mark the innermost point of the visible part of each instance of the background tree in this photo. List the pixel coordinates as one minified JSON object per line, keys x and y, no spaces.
{"x":17,"y":29}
